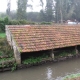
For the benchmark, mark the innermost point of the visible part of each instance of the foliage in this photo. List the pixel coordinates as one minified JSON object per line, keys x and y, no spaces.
{"x":20,"y":22}
{"x":67,"y":9}
{"x":68,"y":77}
{"x":3,"y":22}
{"x":6,"y":55}
{"x":33,"y":60}
{"x":45,"y":23}
{"x":8,"y":8}
{"x":2,"y":35}
{"x":33,"y":16}
{"x":65,"y":53}
{"x":22,"y":8}
{"x":21,"y":11}
{"x":6,"y":21}
{"x":14,"y":66}
{"x":49,"y":10}
{"x":8,"y":62}
{"x":5,"y":49}
{"x":61,"y":10}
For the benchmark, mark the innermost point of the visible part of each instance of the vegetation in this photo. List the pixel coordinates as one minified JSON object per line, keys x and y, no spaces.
{"x":34,"y":60}
{"x":64,"y":53}
{"x":2,"y":35}
{"x":8,"y":8}
{"x":6,"y":55}
{"x":52,"y":10}
{"x":5,"y":49}
{"x":7,"y":21}
{"x":22,"y":7}
{"x":45,"y":23}
{"x":3,"y":22}
{"x":68,"y":9}
{"x":49,"y":10}
{"x":71,"y":77}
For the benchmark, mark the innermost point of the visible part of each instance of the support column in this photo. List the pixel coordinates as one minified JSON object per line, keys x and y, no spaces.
{"x":16,"y":53}
{"x":52,"y":54}
{"x":76,"y":50}
{"x":17,"y":56}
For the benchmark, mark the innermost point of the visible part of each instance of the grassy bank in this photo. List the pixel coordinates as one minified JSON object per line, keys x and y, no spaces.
{"x":6,"y":54}
{"x":72,"y":77}
{"x":2,"y":35}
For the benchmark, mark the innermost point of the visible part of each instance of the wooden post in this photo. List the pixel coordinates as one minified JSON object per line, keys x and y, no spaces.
{"x":76,"y":49}
{"x":52,"y":54}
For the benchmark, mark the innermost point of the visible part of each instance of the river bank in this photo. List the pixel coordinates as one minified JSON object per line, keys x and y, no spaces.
{"x":47,"y":71}
{"x":10,"y":65}
{"x":7,"y":60}
{"x":72,"y":77}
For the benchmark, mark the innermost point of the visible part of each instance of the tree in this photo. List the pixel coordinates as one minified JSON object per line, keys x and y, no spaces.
{"x":8,"y":8}
{"x":76,"y":14}
{"x":64,"y":10}
{"x":49,"y":10}
{"x":42,"y":12}
{"x":33,"y":16}
{"x":21,"y":11}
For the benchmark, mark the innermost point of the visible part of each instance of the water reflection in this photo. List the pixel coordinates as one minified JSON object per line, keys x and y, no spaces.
{"x":49,"y":74}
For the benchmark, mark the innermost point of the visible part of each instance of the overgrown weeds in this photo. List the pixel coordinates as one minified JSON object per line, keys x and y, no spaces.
{"x":6,"y":55}
{"x":34,"y":60}
{"x":65,"y":53}
{"x":5,"y":49}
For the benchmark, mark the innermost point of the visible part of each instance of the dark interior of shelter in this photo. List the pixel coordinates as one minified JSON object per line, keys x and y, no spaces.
{"x":34,"y":54}
{"x":57,"y":52}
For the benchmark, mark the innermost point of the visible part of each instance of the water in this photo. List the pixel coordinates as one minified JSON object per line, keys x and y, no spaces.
{"x":49,"y":71}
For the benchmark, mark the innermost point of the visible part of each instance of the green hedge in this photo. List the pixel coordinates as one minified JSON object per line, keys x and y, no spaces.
{"x":45,"y":23}
{"x":3,"y":22}
{"x":6,"y":21}
{"x":20,"y":22}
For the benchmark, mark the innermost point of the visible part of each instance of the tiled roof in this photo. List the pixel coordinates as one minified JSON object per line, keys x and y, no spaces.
{"x":36,"y":38}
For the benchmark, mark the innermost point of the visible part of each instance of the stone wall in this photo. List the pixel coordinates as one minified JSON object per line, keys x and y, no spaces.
{"x":13,"y":45}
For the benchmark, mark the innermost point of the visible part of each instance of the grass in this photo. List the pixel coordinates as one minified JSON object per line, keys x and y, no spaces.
{"x":65,"y":53}
{"x":72,"y":76}
{"x":34,"y":60}
{"x":2,"y":35}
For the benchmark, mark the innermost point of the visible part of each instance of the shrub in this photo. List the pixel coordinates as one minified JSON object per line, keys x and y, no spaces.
{"x":45,"y":23}
{"x":14,"y":22}
{"x":3,"y":22}
{"x":34,"y":60}
{"x":5,"y":49}
{"x":6,"y":21}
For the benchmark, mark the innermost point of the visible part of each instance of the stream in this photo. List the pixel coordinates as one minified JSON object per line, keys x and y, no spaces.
{"x":48,"y":71}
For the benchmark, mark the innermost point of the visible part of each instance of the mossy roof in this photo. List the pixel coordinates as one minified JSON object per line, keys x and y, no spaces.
{"x":37,"y":38}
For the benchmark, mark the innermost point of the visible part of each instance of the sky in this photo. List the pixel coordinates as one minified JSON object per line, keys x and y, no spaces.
{"x":35,"y":3}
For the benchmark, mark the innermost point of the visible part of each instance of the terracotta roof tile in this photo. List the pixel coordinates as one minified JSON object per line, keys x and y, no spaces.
{"x":36,"y":38}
